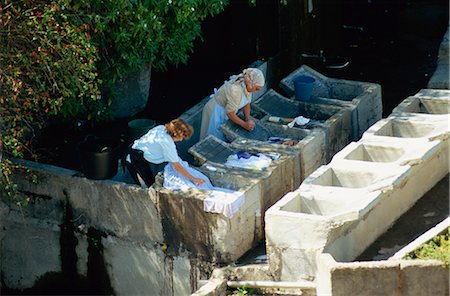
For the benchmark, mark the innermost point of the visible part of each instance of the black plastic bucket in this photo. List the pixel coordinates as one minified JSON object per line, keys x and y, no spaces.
{"x":99,"y":157}
{"x":139,"y":127}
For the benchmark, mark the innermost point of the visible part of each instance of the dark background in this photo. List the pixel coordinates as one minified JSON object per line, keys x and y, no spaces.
{"x":391,"y":42}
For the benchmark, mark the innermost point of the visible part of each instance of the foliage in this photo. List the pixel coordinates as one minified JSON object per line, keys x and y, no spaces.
{"x":47,"y":67}
{"x":131,"y":33}
{"x":438,"y":248}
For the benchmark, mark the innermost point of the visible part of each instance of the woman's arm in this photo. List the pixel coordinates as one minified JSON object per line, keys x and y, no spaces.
{"x":182,"y":171}
{"x":247,"y":124}
{"x":246,"y":111}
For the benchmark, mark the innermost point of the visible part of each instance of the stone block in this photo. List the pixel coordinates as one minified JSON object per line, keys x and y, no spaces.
{"x":137,"y":269}
{"x":29,"y":250}
{"x":366,"y":279}
{"x":209,"y":235}
{"x":424,"y":277}
{"x":392,"y":277}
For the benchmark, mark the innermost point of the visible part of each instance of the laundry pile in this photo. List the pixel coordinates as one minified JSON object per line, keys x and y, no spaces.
{"x":250,"y":160}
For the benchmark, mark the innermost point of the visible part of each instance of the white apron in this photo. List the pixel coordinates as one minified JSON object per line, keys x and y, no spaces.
{"x":219,"y":116}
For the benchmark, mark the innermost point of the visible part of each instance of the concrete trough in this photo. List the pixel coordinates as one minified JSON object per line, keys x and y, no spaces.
{"x":363,"y":99}
{"x":208,"y":235}
{"x":400,"y":128}
{"x":273,"y":181}
{"x":424,"y":106}
{"x":369,"y":150}
{"x":434,"y":93}
{"x":343,"y":207}
{"x":333,"y":120}
{"x":309,"y":152}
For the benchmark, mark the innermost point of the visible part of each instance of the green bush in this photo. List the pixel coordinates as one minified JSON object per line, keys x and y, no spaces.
{"x":47,"y":68}
{"x":438,"y":248}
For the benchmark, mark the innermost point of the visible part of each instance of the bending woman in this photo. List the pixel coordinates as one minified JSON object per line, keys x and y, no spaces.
{"x":149,"y":154}
{"x":233,"y":95}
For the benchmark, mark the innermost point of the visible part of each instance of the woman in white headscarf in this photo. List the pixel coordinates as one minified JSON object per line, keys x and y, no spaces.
{"x":234,"y":95}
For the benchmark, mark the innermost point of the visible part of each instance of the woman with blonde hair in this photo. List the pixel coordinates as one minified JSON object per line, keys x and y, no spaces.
{"x":234,"y":95}
{"x":149,"y":154}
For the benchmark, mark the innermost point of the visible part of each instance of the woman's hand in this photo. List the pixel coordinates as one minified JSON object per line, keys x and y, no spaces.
{"x":198,"y":181}
{"x":249,"y":124}
{"x":181,"y":170}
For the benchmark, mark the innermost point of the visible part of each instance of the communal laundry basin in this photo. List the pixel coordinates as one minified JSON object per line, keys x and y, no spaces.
{"x":309,"y":146}
{"x":193,"y":224}
{"x":405,"y":128}
{"x":346,"y":177}
{"x":424,"y":105}
{"x":363,"y":99}
{"x":275,"y":180}
{"x":333,"y":120}
{"x":403,"y":152}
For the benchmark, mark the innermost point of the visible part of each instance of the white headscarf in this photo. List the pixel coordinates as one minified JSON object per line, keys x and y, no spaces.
{"x":254,"y":76}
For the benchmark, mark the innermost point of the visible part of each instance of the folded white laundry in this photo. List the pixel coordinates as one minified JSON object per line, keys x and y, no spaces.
{"x":226,"y":202}
{"x":220,"y":200}
{"x":299,"y":120}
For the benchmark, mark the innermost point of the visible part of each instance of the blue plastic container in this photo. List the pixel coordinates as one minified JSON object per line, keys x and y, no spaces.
{"x":303,"y":86}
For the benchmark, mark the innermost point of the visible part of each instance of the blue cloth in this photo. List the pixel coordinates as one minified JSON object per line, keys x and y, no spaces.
{"x":219,"y":117}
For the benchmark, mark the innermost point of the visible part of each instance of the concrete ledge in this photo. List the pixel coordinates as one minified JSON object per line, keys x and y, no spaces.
{"x":396,"y":277}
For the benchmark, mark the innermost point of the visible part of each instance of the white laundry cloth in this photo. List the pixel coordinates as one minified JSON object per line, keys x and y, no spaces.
{"x":299,"y":120}
{"x":225,"y":201}
{"x":220,"y":200}
{"x":253,"y":162}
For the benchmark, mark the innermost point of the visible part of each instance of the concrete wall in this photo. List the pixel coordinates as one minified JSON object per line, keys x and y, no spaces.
{"x":398,"y":277}
{"x":135,"y":229}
